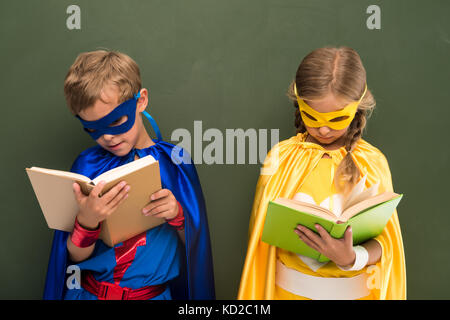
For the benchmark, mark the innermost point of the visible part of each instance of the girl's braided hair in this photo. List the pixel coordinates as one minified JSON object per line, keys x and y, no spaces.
{"x":338,"y":71}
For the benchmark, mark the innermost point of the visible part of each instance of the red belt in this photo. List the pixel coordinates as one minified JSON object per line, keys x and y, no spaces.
{"x":111,"y":291}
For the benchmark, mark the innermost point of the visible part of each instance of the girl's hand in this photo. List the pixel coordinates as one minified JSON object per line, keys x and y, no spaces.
{"x":340,"y":251}
{"x":94,"y":209}
{"x":163,"y":205}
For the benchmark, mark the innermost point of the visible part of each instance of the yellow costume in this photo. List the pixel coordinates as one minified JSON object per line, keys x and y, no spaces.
{"x":290,"y":168}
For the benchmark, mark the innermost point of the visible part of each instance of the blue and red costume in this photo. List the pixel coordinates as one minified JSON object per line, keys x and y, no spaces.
{"x":156,"y":258}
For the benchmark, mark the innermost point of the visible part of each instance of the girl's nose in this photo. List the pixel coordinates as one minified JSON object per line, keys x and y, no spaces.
{"x":324,"y":131}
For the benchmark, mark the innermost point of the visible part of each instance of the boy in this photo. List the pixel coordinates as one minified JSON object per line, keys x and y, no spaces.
{"x":103,"y":90}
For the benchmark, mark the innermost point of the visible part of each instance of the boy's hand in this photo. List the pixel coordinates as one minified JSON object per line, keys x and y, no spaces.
{"x":163,"y":205}
{"x":94,"y":209}
{"x":340,"y":251}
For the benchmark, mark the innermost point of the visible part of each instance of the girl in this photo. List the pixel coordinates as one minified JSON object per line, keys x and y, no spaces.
{"x":326,"y":158}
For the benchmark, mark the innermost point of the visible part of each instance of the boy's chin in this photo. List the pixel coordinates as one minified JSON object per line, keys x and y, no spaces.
{"x":120,"y":152}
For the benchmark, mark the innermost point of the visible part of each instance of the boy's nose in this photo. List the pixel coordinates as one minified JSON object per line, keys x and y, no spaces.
{"x":108,"y":137}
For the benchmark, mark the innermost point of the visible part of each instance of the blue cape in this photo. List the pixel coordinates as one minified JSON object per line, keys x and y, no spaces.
{"x":196,"y":280}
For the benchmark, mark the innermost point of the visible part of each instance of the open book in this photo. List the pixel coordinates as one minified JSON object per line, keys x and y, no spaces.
{"x":365,"y":210}
{"x":53,"y":189}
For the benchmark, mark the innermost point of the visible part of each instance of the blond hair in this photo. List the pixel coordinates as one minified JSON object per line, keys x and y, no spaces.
{"x":338,"y":71}
{"x":94,"y":70}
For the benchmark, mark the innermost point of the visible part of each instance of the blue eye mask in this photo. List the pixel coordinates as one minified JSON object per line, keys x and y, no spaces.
{"x":106,"y":125}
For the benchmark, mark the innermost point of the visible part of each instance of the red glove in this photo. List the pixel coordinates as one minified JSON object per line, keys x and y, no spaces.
{"x":178,"y":221}
{"x":82,"y":237}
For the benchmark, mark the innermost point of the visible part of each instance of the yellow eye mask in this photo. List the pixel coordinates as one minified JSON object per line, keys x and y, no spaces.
{"x":336,"y":120}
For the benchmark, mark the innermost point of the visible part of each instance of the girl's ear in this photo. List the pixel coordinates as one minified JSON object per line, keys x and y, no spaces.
{"x":143,"y":100}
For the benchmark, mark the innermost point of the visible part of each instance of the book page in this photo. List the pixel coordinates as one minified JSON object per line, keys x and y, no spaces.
{"x":366,"y":194}
{"x":60,"y":173}
{"x":333,"y":203}
{"x":55,"y":196}
{"x":356,"y":191}
{"x":118,"y":172}
{"x":367,"y":203}
{"x":307,"y":207}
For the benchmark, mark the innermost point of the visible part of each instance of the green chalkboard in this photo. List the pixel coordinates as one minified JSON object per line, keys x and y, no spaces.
{"x":227,"y":65}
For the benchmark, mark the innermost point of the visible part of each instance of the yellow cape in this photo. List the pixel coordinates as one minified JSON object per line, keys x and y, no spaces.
{"x":283,"y":172}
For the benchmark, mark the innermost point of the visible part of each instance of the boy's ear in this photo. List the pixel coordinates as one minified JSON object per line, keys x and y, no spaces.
{"x":143,"y":100}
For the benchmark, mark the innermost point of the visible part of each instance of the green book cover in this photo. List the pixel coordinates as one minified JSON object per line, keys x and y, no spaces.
{"x":281,"y":221}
